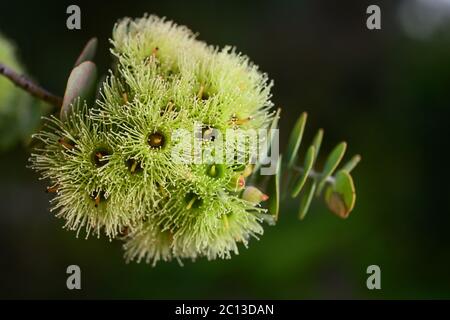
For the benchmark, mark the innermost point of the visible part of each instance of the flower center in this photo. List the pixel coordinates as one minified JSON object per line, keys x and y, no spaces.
{"x":193,"y":201}
{"x":134,"y":166}
{"x":98,"y":196}
{"x":215,"y":170}
{"x":156,"y":140}
{"x":99,"y":157}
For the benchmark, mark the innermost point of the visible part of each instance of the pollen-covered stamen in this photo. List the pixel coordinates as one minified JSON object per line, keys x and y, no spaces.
{"x":99,"y":157}
{"x":134,"y":166}
{"x":52,"y":189}
{"x":156,"y":140}
{"x":125,"y":97}
{"x":235,"y":120}
{"x":193,"y":201}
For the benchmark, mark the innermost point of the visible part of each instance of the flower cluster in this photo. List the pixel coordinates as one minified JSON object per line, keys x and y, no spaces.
{"x":111,"y":164}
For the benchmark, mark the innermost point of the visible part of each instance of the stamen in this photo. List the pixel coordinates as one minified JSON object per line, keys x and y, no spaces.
{"x":52,"y":189}
{"x":242,"y":121}
{"x":235,"y":120}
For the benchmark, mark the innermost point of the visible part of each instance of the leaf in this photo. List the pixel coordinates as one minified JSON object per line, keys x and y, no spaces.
{"x":349,"y":166}
{"x":88,"y":52}
{"x":274,"y":192}
{"x":308,"y":164}
{"x":295,"y":139}
{"x":317,"y":141}
{"x":79,"y":85}
{"x":331,"y":164}
{"x":305,"y":201}
{"x":340,"y":196}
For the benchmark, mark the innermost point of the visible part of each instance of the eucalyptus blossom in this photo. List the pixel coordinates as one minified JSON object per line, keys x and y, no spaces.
{"x":145,"y":162}
{"x":111,"y":163}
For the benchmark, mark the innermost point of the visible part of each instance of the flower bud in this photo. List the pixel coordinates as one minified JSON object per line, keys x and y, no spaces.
{"x":237,"y":182}
{"x":254,"y":195}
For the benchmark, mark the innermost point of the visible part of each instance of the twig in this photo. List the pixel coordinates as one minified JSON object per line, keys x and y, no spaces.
{"x":314,"y":175}
{"x":29,"y":86}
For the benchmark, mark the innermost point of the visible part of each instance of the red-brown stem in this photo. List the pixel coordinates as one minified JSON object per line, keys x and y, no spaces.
{"x":29,"y":86}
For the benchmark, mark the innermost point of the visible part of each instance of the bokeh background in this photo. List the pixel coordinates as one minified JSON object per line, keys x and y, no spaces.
{"x":386,"y":92}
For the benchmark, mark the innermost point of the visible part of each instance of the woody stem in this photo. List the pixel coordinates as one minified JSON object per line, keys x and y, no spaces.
{"x":28,"y":85}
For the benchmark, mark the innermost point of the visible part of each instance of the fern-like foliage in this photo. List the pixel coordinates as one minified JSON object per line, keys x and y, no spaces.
{"x":298,"y":177}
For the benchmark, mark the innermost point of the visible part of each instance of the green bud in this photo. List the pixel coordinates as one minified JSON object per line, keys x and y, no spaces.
{"x":254,"y":195}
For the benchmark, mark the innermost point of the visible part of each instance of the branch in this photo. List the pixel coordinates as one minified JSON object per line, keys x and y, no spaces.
{"x":29,"y":86}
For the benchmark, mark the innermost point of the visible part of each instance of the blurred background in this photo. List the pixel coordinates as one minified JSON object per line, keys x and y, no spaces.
{"x":386,"y":92}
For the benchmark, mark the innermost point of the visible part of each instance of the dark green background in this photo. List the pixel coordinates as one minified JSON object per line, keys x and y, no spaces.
{"x":384,"y":92}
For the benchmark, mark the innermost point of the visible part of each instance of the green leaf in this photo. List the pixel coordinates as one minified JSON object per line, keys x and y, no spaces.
{"x":295,"y":139}
{"x":88,"y":52}
{"x":305,"y":201}
{"x":331,"y":164}
{"x":274,"y":192}
{"x":308,"y":164}
{"x":340,"y":196}
{"x":79,"y":85}
{"x":317,"y":141}
{"x":349,"y":166}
